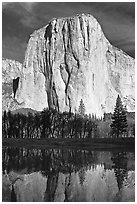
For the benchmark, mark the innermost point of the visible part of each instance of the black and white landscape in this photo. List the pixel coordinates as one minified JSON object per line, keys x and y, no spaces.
{"x":68,"y":102}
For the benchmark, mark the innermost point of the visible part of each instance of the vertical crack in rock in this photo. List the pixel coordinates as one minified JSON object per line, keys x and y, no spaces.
{"x":66,"y":88}
{"x":69,"y":44}
{"x":66,"y":68}
{"x":55,"y":98}
{"x":48,"y":81}
{"x":88,"y":36}
{"x":55,"y":28}
{"x":84,"y":26}
{"x":115,"y":58}
{"x":48,"y":33}
{"x":82,"y":29}
{"x":93,"y":78}
{"x":50,"y":86}
{"x":77,"y":60}
{"x":15,"y":85}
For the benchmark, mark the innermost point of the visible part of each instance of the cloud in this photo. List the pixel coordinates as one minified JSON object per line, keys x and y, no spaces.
{"x":20,"y":19}
{"x":28,"y":5}
{"x":22,"y":13}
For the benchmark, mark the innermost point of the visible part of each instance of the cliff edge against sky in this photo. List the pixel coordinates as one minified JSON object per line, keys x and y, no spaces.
{"x":70,"y":59}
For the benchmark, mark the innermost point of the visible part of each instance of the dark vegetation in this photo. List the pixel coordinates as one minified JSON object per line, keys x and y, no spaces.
{"x":48,"y":124}
{"x":47,"y":160}
{"x":52,"y":124}
{"x":119,"y":119}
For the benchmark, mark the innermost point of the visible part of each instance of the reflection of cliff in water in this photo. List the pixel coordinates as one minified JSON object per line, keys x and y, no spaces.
{"x":67,"y":175}
{"x":51,"y":187}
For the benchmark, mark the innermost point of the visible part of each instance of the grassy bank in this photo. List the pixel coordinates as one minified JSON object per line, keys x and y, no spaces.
{"x":95,"y":143}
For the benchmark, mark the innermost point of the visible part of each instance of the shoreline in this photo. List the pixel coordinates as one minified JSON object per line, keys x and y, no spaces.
{"x":95,"y":144}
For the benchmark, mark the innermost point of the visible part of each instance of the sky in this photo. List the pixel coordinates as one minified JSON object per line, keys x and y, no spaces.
{"x":20,"y":19}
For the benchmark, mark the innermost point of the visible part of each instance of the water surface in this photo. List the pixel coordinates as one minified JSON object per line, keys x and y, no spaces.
{"x":67,"y":175}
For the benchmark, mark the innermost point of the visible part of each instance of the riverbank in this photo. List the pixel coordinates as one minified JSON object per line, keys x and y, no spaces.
{"x":95,"y":143}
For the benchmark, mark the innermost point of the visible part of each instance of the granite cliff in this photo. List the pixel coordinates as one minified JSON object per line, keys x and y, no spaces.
{"x":70,"y":59}
{"x":11,"y":73}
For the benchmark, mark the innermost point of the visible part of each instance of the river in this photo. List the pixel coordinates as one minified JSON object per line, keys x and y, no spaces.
{"x":67,"y":175}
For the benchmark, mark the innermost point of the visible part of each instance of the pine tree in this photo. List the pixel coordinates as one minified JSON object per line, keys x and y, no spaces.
{"x":119,"y":120}
{"x":120,"y":160}
{"x":81,"y":109}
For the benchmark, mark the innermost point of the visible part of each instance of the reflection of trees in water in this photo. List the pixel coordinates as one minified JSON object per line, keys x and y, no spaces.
{"x":47,"y":160}
{"x":120,"y":167}
{"x":54,"y":163}
{"x":50,"y":162}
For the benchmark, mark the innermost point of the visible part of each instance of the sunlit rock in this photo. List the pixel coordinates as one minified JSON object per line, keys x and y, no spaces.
{"x":70,"y":59}
{"x":11,"y":70}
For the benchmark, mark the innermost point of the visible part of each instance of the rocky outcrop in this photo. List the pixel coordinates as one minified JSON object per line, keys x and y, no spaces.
{"x":11,"y":73}
{"x":70,"y":59}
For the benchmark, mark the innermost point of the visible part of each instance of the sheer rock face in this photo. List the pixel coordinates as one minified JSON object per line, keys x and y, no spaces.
{"x":11,"y":70}
{"x":70,"y":59}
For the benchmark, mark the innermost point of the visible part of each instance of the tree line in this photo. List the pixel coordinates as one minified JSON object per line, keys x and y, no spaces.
{"x":53,"y":124}
{"x":48,"y":124}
